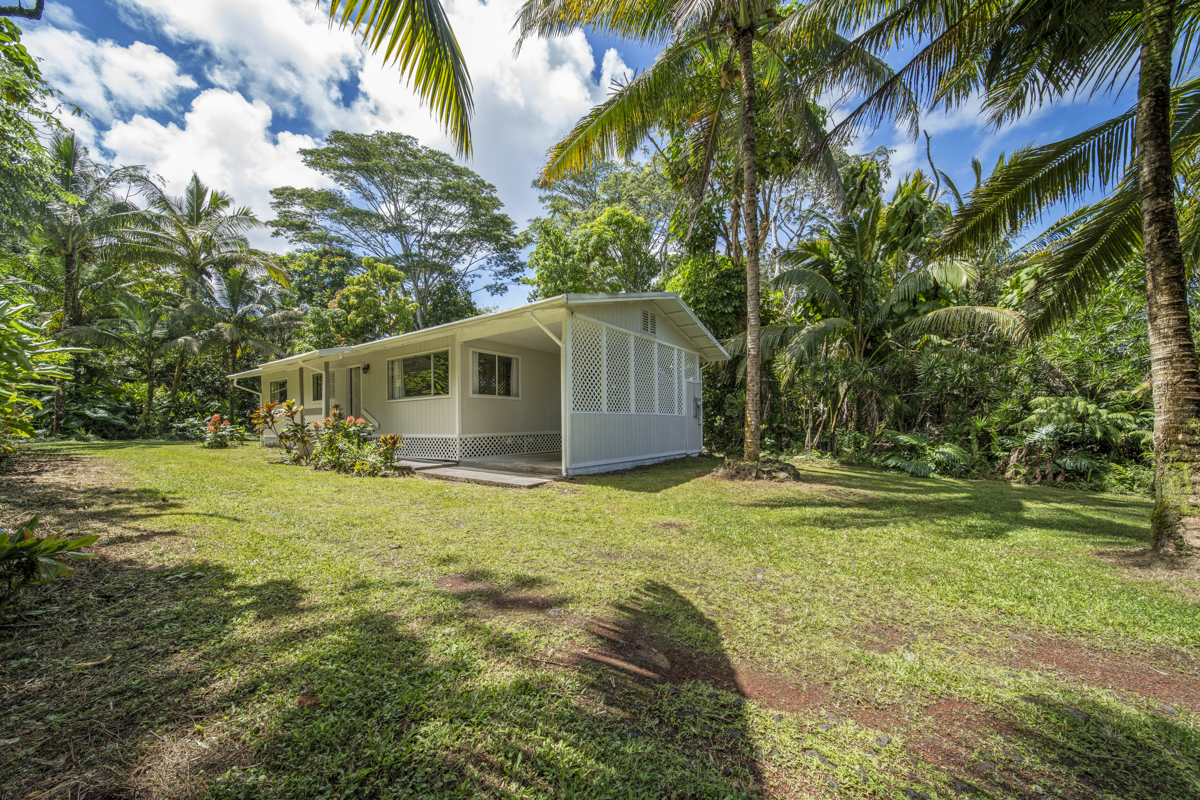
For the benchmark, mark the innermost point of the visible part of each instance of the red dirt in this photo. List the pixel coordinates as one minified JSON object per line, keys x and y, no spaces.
{"x":1160,"y":681}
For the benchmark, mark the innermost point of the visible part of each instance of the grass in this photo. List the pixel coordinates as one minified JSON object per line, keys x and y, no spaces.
{"x":258,"y":630}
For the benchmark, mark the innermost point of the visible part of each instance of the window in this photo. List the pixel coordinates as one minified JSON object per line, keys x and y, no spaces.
{"x":495,"y":375}
{"x":318,"y":387}
{"x":426,"y":375}
{"x":278,"y":391}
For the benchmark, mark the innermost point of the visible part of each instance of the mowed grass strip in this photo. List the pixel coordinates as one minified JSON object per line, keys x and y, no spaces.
{"x":256,"y":629}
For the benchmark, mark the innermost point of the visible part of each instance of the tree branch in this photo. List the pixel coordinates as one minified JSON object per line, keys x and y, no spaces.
{"x":25,"y":13}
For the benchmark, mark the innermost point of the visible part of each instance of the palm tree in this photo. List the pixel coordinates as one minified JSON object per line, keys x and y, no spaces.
{"x":88,"y":228}
{"x":416,"y":35}
{"x":198,"y":234}
{"x":147,"y":331}
{"x":238,"y":314}
{"x":732,"y":35}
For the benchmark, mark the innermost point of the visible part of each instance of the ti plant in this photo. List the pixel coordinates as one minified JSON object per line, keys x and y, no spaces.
{"x":27,"y":559}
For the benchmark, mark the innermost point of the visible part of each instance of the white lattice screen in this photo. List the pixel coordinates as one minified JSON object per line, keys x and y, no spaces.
{"x":643,"y":376}
{"x":616,"y":360}
{"x":666,"y":379}
{"x":484,"y":445}
{"x":433,"y":448}
{"x":617,"y":372}
{"x":587,"y":366}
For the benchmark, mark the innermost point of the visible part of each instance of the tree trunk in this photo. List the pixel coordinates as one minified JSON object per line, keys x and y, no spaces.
{"x":141,"y":428}
{"x":232,"y":389}
{"x":162,"y":426}
{"x":1174,"y":523}
{"x":745,"y":46}
{"x":71,"y":315}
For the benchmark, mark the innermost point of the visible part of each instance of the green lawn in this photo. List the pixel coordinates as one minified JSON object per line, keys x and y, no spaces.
{"x":259,"y":630}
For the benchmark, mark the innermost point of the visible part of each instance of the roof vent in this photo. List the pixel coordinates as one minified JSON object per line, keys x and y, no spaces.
{"x":649,"y":322}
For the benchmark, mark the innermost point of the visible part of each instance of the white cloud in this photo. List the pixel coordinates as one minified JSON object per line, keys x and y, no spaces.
{"x":104,"y":78}
{"x":225,"y":139}
{"x":61,"y":16}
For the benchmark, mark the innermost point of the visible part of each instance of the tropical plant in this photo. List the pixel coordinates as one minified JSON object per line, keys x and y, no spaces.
{"x":25,"y":367}
{"x":919,"y":455}
{"x":1020,"y":56}
{"x":285,"y":421}
{"x":724,"y":39}
{"x":25,"y":115}
{"x":27,"y":559}
{"x":147,"y":331}
{"x":416,"y":35}
{"x":221,"y":434}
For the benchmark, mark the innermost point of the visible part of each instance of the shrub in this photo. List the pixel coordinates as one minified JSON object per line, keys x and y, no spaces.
{"x":221,"y":434}
{"x":27,"y":559}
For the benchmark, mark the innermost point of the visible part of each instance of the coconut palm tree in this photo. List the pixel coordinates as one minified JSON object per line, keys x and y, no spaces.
{"x":89,"y":228}
{"x":415,"y":35}
{"x":196,"y":235}
{"x":238,"y":313}
{"x":147,"y":331}
{"x":734,"y":34}
{"x":1019,"y":56}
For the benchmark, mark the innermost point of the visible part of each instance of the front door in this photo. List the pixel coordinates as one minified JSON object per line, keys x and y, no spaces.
{"x":355,"y":404}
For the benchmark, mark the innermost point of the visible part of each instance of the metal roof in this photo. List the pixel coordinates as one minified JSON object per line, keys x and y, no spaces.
{"x":669,"y":303}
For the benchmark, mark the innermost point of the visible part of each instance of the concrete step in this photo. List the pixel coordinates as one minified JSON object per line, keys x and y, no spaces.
{"x":483,"y":477}
{"x":516,"y":469}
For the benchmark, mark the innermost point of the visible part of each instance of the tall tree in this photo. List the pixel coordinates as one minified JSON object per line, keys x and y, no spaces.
{"x":723,"y":33}
{"x":405,"y":205}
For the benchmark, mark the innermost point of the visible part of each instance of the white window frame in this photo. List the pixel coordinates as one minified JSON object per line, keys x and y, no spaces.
{"x":449,"y":351}
{"x":317,"y":376}
{"x":475,"y":375}
{"x":271,"y":390}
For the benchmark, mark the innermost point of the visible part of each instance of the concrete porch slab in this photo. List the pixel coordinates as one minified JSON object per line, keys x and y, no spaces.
{"x":483,"y":477}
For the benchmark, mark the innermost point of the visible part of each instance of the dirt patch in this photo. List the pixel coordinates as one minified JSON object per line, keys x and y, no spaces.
{"x":1164,"y":682}
{"x":768,"y":469}
{"x":480,"y":594}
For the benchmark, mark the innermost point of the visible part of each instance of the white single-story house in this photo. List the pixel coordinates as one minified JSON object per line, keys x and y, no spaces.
{"x":580,"y":382}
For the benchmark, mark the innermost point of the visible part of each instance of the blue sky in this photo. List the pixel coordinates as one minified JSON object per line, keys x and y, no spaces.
{"x":232,"y":89}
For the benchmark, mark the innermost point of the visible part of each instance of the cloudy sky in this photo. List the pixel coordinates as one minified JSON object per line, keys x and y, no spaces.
{"x":232,"y":90}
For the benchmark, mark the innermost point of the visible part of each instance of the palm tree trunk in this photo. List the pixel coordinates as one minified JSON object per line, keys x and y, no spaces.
{"x":71,"y":315}
{"x":141,"y":428}
{"x":1174,"y":523}
{"x":745,"y":46}
{"x":162,"y":425}
{"x":232,"y":390}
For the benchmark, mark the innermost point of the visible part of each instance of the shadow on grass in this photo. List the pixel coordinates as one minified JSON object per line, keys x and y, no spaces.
{"x":654,"y":478}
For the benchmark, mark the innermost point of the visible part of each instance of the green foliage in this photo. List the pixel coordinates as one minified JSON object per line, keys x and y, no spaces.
{"x":26,"y":176}
{"x":919,"y":455}
{"x":318,"y":275}
{"x":715,"y":289}
{"x":451,"y":301}
{"x":24,"y":369}
{"x":221,"y":434}
{"x":27,"y":559}
{"x":610,"y":253}
{"x":404,"y":205}
{"x":374,"y":304}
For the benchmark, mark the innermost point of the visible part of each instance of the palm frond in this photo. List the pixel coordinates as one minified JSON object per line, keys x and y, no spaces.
{"x":955,"y":320}
{"x":416,"y":36}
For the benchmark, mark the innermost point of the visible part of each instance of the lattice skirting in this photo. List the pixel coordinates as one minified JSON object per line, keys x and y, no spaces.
{"x":454,"y":448}
{"x":433,"y":448}
{"x":484,"y":445}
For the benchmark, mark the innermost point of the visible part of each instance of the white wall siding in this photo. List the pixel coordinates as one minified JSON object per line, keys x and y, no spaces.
{"x":603,"y":438}
{"x":536,"y":410}
{"x":408,"y":416}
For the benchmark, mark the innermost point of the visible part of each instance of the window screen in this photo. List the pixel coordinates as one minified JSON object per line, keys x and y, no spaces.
{"x":318,"y":387}
{"x":426,"y":375}
{"x":278,"y":391}
{"x":496,"y":375}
